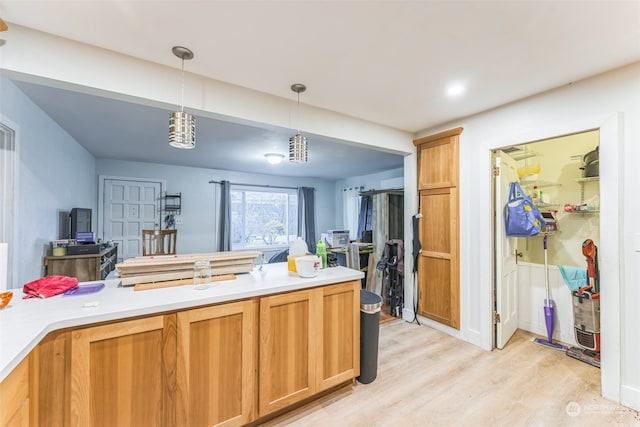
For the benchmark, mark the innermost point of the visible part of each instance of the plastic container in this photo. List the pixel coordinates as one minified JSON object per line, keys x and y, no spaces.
{"x":370,"y":306}
{"x":308,"y":265}
{"x":297,"y":249}
{"x":321,"y":251}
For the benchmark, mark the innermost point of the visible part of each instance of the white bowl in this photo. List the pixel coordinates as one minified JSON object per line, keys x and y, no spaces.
{"x":308,"y":265}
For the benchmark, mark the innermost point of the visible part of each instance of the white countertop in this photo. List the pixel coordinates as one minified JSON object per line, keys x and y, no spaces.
{"x":24,"y":323}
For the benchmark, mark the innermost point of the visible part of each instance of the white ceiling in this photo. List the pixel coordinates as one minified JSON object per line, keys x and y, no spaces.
{"x":388,"y":62}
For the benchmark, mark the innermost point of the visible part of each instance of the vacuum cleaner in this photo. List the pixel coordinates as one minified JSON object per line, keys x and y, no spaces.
{"x":586,"y":311}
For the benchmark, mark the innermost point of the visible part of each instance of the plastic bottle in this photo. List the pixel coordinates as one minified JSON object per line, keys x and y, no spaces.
{"x":298,"y":248}
{"x":321,"y":251}
{"x":535,"y":195}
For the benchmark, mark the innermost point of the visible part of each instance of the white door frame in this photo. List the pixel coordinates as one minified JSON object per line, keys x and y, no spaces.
{"x":103,"y":178}
{"x":609,"y":252}
{"x":10,"y":221}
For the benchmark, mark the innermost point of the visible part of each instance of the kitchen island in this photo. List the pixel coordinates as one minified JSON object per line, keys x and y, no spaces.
{"x":239,"y":351}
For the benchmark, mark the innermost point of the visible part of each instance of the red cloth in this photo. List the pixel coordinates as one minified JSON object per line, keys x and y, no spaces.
{"x":49,"y":286}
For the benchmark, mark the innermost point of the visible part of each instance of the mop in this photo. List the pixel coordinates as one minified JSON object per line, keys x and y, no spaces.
{"x":549,"y":308}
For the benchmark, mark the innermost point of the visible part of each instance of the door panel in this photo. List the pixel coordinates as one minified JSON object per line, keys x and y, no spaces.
{"x":216,"y":365}
{"x":506,"y":269}
{"x":129,"y":207}
{"x":439,"y":290}
{"x":288,"y":333}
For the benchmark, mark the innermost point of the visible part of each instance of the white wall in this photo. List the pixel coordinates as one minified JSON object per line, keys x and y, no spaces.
{"x":531,"y":296}
{"x":32,"y":55}
{"x":198,"y":233}
{"x":53,"y":173}
{"x":610,"y":102}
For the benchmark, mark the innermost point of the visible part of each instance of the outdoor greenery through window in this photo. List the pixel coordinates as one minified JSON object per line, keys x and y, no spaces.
{"x":263,"y":217}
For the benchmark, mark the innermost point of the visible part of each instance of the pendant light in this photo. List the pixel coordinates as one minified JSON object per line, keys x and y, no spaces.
{"x":182,"y":126}
{"x":298,"y":143}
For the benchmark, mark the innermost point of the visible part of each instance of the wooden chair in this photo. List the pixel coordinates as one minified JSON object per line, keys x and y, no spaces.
{"x":159,"y":242}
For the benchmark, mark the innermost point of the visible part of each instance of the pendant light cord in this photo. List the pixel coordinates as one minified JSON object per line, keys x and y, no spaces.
{"x":298,"y":115}
{"x":182,"y":94}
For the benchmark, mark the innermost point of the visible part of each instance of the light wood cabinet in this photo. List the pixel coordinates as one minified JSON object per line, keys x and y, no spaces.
{"x":438,"y":263}
{"x":118,"y":374}
{"x":14,"y":397}
{"x":340,"y":329}
{"x":288,"y":335}
{"x":226,"y":364}
{"x":309,"y":342}
{"x":216,"y":373}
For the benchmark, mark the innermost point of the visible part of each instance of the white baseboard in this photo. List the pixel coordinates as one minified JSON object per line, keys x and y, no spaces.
{"x":630,"y":397}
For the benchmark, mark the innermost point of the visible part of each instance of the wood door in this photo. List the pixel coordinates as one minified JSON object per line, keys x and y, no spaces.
{"x":339,"y":335}
{"x":288,"y":336}
{"x":506,"y":268}
{"x":129,"y":207}
{"x":438,"y":160}
{"x":216,"y":374}
{"x":118,"y":374}
{"x":438,"y":269}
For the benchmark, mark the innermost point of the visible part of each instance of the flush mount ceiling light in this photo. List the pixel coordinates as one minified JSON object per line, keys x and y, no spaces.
{"x":298,"y":143}
{"x":455,"y":90}
{"x":274,"y":158}
{"x":182,"y":126}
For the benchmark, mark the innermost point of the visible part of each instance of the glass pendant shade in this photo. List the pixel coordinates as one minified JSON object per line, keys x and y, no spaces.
{"x":182,"y":130}
{"x":298,"y":149}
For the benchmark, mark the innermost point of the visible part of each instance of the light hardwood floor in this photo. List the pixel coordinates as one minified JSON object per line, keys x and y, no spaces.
{"x":427,"y":378}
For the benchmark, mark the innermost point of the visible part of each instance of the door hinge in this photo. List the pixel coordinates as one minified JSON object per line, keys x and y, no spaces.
{"x":496,"y":317}
{"x":496,"y":171}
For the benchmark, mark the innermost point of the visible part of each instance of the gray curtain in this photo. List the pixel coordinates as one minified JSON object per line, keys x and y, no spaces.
{"x":307,"y":216}
{"x":365,"y":219}
{"x":224,"y":242}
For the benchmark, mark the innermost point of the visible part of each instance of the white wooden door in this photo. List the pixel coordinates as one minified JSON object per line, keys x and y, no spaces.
{"x":506,"y":268}
{"x":129,"y":207}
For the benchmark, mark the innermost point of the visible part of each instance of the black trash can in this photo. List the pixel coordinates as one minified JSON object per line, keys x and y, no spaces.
{"x":370,"y":305}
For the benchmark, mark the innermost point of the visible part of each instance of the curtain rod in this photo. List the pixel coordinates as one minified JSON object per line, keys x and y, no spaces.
{"x":398,"y":191}
{"x":256,"y":185}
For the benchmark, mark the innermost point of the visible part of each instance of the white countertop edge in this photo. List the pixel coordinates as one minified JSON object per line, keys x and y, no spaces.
{"x":22,"y":330}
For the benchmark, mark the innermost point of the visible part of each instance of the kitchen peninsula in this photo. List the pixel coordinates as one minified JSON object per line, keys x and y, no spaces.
{"x":239,"y":351}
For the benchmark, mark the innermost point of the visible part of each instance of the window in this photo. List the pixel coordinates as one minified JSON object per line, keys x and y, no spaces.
{"x":263,"y":217}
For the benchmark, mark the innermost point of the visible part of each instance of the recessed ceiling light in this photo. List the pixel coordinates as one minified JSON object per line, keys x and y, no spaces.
{"x":455,"y":90}
{"x":274,"y":158}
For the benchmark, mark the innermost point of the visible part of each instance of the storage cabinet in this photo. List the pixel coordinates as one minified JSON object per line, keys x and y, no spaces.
{"x":85,"y":268}
{"x":288,"y":328}
{"x":216,"y":372}
{"x":14,"y":396}
{"x":438,"y":263}
{"x":119,"y":374}
{"x":309,"y":342}
{"x":198,"y":367}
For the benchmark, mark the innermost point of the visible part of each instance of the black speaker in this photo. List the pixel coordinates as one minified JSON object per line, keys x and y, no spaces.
{"x":80,"y":221}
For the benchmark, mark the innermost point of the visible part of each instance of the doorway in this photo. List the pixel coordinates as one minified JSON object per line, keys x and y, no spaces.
{"x":7,"y":197}
{"x":126,"y":207}
{"x":552,"y":172}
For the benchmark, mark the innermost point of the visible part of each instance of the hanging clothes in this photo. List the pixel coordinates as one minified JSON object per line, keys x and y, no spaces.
{"x":392,"y":266}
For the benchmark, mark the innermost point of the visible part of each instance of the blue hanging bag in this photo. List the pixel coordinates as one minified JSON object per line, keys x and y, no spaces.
{"x":521,"y":217}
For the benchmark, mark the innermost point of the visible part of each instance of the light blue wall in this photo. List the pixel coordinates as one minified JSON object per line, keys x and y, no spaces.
{"x":53,"y":173}
{"x":197,"y":233}
{"x":368,"y":182}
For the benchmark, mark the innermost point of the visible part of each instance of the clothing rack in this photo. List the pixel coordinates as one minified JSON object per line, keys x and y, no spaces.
{"x":256,"y":185}
{"x":398,"y":191}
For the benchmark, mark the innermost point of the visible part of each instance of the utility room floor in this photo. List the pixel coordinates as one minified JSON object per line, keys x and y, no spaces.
{"x":427,"y":378}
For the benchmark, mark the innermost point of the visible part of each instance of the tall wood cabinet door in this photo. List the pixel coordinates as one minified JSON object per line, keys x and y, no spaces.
{"x":438,"y":163}
{"x":216,"y":374}
{"x":288,"y":336}
{"x":339,"y":335}
{"x":438,"y":276}
{"x":117,"y":374}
